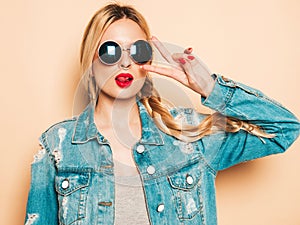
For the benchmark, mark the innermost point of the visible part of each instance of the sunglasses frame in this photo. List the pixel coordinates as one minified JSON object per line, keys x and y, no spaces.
{"x":124,"y":49}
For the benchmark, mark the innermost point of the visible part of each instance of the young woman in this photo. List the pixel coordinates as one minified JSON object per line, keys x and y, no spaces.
{"x":127,"y":159}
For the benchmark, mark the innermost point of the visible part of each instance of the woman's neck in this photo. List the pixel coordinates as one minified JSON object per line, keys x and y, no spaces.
{"x":112,"y":112}
{"x":119,"y":121}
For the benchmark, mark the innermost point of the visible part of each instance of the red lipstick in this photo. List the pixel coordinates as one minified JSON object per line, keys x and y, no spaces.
{"x":124,"y":80}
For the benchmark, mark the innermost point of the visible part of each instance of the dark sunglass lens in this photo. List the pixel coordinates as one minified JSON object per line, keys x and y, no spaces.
{"x":110,"y":52}
{"x":141,"y":52}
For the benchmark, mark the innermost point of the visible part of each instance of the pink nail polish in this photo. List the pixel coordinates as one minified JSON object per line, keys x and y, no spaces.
{"x":191,"y":57}
{"x":182,"y":61}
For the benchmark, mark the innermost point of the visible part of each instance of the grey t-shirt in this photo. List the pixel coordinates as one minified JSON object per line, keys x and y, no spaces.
{"x":130,"y":205}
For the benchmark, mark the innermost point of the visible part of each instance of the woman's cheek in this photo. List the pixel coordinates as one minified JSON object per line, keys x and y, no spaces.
{"x":103,"y":73}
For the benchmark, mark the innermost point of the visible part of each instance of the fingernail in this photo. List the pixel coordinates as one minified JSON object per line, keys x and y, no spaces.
{"x":182,"y":60}
{"x":191,"y":57}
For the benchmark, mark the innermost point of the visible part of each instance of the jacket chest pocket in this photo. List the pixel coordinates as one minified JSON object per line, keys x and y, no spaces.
{"x":185,"y":185}
{"x":72,"y":189}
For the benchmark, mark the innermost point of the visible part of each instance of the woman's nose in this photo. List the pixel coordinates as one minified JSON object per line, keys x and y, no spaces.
{"x":125,"y":62}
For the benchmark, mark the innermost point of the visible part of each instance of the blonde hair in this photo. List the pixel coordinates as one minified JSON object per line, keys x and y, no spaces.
{"x":94,"y":31}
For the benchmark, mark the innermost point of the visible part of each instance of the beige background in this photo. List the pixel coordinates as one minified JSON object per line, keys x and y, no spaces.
{"x":255,"y":42}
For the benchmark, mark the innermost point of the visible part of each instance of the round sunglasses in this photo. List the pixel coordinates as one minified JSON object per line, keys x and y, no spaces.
{"x":110,"y":52}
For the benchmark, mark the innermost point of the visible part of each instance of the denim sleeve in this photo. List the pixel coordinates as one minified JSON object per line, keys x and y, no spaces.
{"x":245,"y":103}
{"x":42,"y":203}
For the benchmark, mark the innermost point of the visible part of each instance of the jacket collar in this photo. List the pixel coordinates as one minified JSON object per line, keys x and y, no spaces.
{"x":85,"y":128}
{"x":150,"y":133}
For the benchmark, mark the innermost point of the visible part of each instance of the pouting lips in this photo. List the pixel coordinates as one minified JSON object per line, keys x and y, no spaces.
{"x":124,"y":80}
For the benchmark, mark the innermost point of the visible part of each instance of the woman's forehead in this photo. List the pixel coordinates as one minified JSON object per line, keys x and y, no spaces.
{"x":124,"y":31}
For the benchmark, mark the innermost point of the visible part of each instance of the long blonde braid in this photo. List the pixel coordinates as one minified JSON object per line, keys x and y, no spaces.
{"x":186,"y":132}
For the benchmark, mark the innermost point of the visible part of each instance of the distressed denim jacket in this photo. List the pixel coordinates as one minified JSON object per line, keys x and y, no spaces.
{"x":73,"y":174}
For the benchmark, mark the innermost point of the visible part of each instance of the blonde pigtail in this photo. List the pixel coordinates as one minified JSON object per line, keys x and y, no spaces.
{"x":212,"y":123}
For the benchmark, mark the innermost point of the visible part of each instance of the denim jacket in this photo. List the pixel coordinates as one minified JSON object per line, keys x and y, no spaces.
{"x":73,"y":174}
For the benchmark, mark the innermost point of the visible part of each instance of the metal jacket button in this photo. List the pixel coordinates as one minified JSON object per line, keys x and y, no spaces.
{"x":150,"y":170}
{"x":160,"y":207}
{"x":140,"y":149}
{"x":65,"y":184}
{"x":189,"y":179}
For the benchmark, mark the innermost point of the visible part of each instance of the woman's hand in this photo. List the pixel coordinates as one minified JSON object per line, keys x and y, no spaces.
{"x":185,"y":68}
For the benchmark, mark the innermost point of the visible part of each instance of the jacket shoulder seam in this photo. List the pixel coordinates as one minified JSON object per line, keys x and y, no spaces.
{"x":61,"y":123}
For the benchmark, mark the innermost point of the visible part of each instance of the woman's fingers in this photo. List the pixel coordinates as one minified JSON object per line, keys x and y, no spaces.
{"x":196,"y":63}
{"x":162,"y":49}
{"x":157,"y":69}
{"x":183,"y":58}
{"x":185,"y":68}
{"x":187,"y":62}
{"x":166,"y":54}
{"x":197,"y":74}
{"x":188,"y":50}
{"x":171,"y":72}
